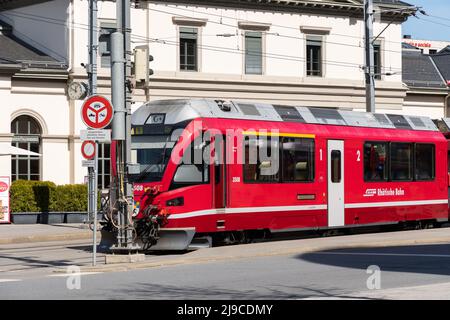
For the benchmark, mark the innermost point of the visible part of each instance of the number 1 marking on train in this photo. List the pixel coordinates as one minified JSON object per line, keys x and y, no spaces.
{"x":320,"y":153}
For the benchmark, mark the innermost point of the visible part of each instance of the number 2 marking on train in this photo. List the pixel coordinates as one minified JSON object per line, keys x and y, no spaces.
{"x":358,"y":155}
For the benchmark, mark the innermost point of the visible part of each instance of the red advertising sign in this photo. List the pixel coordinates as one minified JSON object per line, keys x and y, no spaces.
{"x":420,"y":44}
{"x":4,"y":200}
{"x":97,"y":112}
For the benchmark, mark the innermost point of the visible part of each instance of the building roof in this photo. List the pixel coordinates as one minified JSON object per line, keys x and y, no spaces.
{"x":442,"y":62}
{"x":14,"y":51}
{"x":409,"y":46}
{"x":420,"y":71}
{"x":445,"y":50}
{"x":14,"y":4}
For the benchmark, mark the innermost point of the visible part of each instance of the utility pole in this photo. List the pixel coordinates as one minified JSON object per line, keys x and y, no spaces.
{"x":369,"y":67}
{"x":92,"y":78}
{"x":121,"y":127}
{"x":128,"y":101}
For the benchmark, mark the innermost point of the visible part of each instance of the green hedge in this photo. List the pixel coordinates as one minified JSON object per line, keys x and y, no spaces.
{"x":45,"y":196}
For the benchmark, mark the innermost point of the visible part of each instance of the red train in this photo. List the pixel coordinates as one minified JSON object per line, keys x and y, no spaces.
{"x":231,"y":170}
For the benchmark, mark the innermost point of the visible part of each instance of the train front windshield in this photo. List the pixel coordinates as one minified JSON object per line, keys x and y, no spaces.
{"x":152,"y":153}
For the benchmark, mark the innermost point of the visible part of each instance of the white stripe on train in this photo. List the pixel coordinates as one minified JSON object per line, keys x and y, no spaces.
{"x":303,"y":208}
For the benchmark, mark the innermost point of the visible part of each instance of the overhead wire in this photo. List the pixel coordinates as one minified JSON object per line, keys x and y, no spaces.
{"x":214,"y":48}
{"x":206,"y":47}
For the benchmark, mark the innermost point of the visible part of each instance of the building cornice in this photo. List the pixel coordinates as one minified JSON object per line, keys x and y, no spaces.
{"x":255,"y":26}
{"x":328,"y":7}
{"x":186,"y":21}
{"x":42,"y":74}
{"x":10,"y":69}
{"x":428,"y":91}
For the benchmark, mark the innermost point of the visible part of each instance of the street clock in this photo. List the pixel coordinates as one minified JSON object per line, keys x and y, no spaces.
{"x":77,"y":90}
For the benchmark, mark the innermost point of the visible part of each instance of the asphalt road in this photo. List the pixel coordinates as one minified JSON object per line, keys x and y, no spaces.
{"x":327,"y":274}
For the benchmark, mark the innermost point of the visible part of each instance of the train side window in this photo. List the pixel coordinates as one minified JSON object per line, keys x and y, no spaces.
{"x":375,"y":161}
{"x":261,"y":159}
{"x":424,"y":162}
{"x":335,"y":166}
{"x":401,"y":155}
{"x":192,"y":170}
{"x":297,"y":160}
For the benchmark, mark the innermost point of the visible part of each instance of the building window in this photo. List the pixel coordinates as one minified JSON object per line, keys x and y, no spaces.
{"x":188,"y":49}
{"x":104,"y":165}
{"x":375,"y":161}
{"x":401,"y":161}
{"x":377,"y":60}
{"x":27,"y":135}
{"x":297,"y":159}
{"x":104,"y":44}
{"x":253,"y":52}
{"x":314,"y":56}
{"x":424,"y":162}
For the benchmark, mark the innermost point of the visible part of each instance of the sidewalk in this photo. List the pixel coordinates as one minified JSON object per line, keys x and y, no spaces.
{"x":286,"y":247}
{"x":28,"y":233}
{"x":20,"y":234}
{"x":440,"y":291}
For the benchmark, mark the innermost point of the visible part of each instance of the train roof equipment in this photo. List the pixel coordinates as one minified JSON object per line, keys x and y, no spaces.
{"x":181,"y":110}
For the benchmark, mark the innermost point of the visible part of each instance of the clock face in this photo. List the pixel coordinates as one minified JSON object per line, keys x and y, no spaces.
{"x":76,"y":90}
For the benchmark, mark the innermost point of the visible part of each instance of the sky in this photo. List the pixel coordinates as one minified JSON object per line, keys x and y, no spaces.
{"x":436,"y":26}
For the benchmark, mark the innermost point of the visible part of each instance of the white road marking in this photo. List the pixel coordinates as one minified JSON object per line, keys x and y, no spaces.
{"x":386,"y":254}
{"x":72,"y":274}
{"x":10,"y":280}
{"x":330,"y":298}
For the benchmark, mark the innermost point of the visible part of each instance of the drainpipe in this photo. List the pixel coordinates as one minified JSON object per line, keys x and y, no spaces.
{"x":447,"y":104}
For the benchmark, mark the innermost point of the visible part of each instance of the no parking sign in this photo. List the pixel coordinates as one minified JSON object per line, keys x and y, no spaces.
{"x":97,"y":112}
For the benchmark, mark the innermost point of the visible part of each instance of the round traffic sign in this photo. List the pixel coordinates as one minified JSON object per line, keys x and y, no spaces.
{"x":88,"y":149}
{"x":97,"y":112}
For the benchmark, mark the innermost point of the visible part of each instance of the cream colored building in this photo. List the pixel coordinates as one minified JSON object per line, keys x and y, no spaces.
{"x":302,"y":52}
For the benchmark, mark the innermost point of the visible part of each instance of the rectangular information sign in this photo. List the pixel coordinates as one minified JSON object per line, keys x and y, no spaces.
{"x":102,"y":135}
{"x":4,"y":200}
{"x":88,"y":163}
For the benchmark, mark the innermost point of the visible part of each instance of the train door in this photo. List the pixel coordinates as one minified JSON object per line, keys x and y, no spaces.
{"x":218,"y":173}
{"x":335,"y":183}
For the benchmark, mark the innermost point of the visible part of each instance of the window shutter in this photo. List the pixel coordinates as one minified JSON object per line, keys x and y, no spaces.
{"x":253,"y":53}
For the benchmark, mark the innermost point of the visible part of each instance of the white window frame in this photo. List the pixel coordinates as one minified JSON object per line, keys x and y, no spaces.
{"x":323,"y":32}
{"x":188,"y":22}
{"x":245,"y":26}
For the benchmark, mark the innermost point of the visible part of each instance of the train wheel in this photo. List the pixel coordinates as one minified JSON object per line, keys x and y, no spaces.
{"x":424,"y":224}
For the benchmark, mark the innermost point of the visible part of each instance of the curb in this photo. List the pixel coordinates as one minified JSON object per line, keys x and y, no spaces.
{"x":299,"y":250}
{"x":49,"y":238}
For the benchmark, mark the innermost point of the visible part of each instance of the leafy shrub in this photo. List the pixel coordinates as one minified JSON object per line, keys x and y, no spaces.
{"x":45,"y":196}
{"x":32,"y":196}
{"x":71,"y":197}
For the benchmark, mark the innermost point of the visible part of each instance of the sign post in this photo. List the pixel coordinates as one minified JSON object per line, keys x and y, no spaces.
{"x":96,"y":113}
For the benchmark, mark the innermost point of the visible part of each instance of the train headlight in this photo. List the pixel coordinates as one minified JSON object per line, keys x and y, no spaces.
{"x":175,"y":202}
{"x":136,"y":208}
